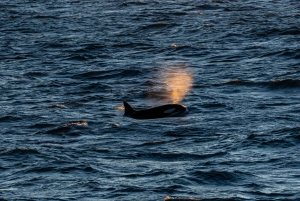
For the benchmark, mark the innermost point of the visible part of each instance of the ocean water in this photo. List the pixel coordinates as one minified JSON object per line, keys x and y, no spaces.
{"x":67,"y":65}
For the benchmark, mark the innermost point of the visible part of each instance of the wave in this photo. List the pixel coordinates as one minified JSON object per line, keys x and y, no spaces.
{"x":176,"y":198}
{"x":138,"y":3}
{"x":276,"y":143}
{"x":156,"y":156}
{"x":20,"y":151}
{"x":219,"y":177}
{"x":68,"y":127}
{"x":82,"y":168}
{"x":281,"y":138}
{"x":9,"y":118}
{"x":158,"y":25}
{"x":292,"y":133}
{"x":278,"y":31}
{"x":148,"y":174}
{"x":272,"y":194}
{"x":107,"y":74}
{"x":208,"y":7}
{"x":272,"y":84}
{"x":45,"y":17}
{"x":287,"y":52}
{"x":151,"y":143}
{"x":135,"y":45}
{"x":87,"y":48}
{"x":43,"y":168}
{"x":41,"y":125}
{"x":36,"y":74}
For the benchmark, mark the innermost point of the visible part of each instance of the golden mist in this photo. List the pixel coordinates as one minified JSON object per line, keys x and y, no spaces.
{"x":179,"y":82}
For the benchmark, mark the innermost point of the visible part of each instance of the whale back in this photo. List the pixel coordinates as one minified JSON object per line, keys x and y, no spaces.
{"x":169,"y":110}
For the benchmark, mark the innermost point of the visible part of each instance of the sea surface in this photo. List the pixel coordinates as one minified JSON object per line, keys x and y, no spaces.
{"x":66,"y":66}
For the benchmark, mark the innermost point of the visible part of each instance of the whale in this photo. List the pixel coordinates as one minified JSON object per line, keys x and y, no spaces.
{"x":169,"y":110}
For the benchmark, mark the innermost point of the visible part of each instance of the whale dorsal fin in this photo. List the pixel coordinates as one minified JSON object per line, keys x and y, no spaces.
{"x":128,"y":109}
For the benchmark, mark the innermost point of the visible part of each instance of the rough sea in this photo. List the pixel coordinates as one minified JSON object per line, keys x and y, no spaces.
{"x":66,"y":66}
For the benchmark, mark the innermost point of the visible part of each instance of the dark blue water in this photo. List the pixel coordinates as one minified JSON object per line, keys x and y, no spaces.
{"x":66,"y":66}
